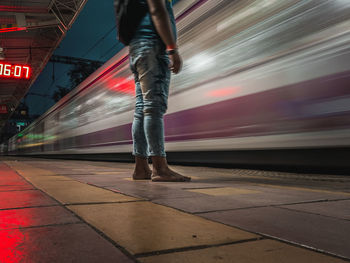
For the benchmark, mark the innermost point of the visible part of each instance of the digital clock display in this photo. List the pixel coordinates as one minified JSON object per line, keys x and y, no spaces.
{"x":14,"y":71}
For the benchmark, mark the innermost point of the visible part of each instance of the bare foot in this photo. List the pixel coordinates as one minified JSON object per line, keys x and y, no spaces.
{"x":162,"y":173}
{"x":142,"y":174}
{"x":168,"y":175}
{"x":142,"y":170}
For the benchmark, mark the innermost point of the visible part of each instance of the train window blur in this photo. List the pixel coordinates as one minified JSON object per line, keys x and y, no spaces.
{"x":230,"y":49}
{"x":110,"y":96}
{"x":233,"y":35}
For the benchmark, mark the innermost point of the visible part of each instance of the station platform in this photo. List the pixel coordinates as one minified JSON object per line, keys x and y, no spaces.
{"x":83,"y":211}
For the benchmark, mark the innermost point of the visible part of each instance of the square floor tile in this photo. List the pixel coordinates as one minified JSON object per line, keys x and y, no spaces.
{"x":28,"y":198}
{"x":263,"y":251}
{"x":38,"y":216}
{"x":59,"y":244}
{"x":324,"y":233}
{"x":144,"y":227}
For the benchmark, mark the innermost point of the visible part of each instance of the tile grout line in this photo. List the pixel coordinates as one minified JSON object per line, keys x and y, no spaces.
{"x":28,"y":207}
{"x":99,"y":232}
{"x":19,"y":190}
{"x":72,"y":179}
{"x":39,"y":226}
{"x":288,"y":242}
{"x":106,"y":237}
{"x":268,"y":236}
{"x":292,"y":243}
{"x":257,"y":233}
{"x":298,"y":188}
{"x":262,"y":236}
{"x":312,"y":213}
{"x":125,"y":251}
{"x":193,"y":248}
{"x":104,"y":203}
{"x":274,"y":205}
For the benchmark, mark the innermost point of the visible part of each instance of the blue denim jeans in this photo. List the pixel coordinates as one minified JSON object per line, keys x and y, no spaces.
{"x":149,"y":64}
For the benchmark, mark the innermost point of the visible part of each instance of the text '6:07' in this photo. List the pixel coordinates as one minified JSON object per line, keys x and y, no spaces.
{"x":14,"y":71}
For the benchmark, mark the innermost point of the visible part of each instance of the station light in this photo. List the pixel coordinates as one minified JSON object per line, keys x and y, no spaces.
{"x":2,"y":57}
{"x":3,"y":109}
{"x":12,"y":29}
{"x":8,"y":70}
{"x":21,"y":123}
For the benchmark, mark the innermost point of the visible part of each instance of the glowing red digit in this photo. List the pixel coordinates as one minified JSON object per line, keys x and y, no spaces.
{"x":28,"y":71}
{"x":18,"y":71}
{"x":7,"y":70}
{"x":1,"y":68}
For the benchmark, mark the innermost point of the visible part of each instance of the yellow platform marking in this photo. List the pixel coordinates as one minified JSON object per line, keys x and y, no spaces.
{"x":75,"y":192}
{"x":263,"y":251}
{"x":65,"y":189}
{"x":224,"y":191}
{"x":28,"y":170}
{"x":303,"y":189}
{"x":144,"y":227}
{"x":46,"y":181}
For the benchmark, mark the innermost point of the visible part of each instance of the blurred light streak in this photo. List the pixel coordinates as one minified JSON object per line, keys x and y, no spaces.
{"x":97,"y":97}
{"x":250,"y":10}
{"x":12,"y":29}
{"x":223,"y":92}
{"x":122,"y":85}
{"x":201,"y":62}
{"x":328,"y":107}
{"x":31,"y":145}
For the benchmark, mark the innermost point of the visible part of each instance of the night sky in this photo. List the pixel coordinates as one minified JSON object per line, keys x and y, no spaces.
{"x":92,"y":36}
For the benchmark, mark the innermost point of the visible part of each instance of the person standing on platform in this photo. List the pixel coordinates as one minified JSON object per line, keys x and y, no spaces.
{"x":149,"y":28}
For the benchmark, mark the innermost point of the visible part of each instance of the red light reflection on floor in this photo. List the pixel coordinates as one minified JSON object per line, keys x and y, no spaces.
{"x":122,"y":85}
{"x":11,"y":246}
{"x":223,"y":92}
{"x":10,"y":219}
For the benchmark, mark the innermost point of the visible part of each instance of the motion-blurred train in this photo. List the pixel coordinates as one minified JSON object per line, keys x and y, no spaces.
{"x":263,"y":82}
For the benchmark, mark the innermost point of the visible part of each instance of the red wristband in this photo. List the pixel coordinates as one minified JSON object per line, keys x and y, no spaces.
{"x":171,"y":47}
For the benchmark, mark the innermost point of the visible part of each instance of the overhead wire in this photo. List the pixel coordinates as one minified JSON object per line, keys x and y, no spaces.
{"x":56,"y":80}
{"x":99,"y":40}
{"x":90,"y":49}
{"x":64,"y":74}
{"x":109,"y":50}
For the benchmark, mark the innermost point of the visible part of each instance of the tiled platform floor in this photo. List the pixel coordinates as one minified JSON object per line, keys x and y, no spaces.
{"x":79,"y":211}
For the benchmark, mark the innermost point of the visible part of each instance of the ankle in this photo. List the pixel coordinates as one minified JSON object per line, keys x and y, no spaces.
{"x":159,"y":163}
{"x":159,"y":171}
{"x":141,"y":163}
